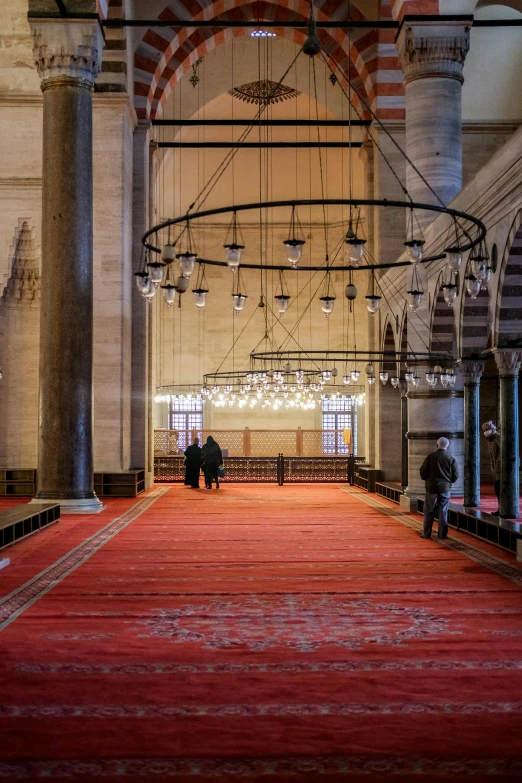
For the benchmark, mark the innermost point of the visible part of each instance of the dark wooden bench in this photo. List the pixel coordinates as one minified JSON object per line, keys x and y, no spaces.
{"x":497,"y":531}
{"x":21,"y":521}
{"x":389,"y":490}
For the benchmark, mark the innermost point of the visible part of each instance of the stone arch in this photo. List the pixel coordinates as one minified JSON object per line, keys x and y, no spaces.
{"x":162,"y":58}
{"x":388,"y":345}
{"x":509,"y":296}
{"x":402,"y":7}
{"x":443,"y":332}
{"x":516,"y":5}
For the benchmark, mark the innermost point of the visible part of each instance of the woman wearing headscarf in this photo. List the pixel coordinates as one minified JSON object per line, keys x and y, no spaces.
{"x":212,"y":459}
{"x":193,"y":464}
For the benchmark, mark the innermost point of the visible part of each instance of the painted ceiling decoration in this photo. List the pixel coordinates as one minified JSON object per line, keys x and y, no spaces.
{"x":264,"y":92}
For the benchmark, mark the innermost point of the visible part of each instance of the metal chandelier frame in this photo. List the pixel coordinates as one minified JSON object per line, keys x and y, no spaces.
{"x":355,"y":203}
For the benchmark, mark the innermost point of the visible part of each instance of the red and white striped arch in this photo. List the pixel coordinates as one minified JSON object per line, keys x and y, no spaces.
{"x":401,"y":8}
{"x":164,"y":55}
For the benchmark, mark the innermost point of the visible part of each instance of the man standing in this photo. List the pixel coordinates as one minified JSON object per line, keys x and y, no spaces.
{"x":439,"y":470}
{"x":493,"y":439}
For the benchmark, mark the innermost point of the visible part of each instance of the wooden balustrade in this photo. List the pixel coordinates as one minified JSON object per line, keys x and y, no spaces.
{"x":256,"y":443}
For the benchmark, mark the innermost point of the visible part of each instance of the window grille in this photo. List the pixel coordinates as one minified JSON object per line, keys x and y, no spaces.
{"x":337,"y":416}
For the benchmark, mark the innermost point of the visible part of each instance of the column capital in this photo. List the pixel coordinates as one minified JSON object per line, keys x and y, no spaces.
{"x":432,"y":49}
{"x":471,"y":371}
{"x":508,"y":362}
{"x":65,"y":48}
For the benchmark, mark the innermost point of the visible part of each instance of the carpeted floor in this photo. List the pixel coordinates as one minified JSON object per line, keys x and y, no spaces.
{"x":258,"y":633}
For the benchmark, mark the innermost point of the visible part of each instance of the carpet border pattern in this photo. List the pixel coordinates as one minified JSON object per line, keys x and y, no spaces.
{"x":478,"y":555}
{"x":16,"y":602}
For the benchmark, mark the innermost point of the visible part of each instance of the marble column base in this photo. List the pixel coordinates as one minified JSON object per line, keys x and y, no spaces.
{"x":74,"y":505}
{"x":408,"y":503}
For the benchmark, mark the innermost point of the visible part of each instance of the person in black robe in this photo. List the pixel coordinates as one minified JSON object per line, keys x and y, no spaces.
{"x":212,"y":459}
{"x":193,"y":464}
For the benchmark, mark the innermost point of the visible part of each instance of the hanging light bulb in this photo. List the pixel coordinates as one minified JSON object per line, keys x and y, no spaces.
{"x":355,"y":375}
{"x":414,"y":250}
{"x":350,"y":292}
{"x":444,"y":380}
{"x":452,"y":378}
{"x":369,"y":369}
{"x":486,"y":279}
{"x":233,"y":255}
{"x":395,"y":381}
{"x":408,"y":376}
{"x":431,"y":378}
{"x":299,"y":376}
{"x":327,"y":305}
{"x":282,"y":303}
{"x":182,"y":284}
{"x":239,"y":302}
{"x":473,"y":286}
{"x":200,"y":297}
{"x":479,"y":267}
{"x":346,"y":380}
{"x":371,"y":380}
{"x":414,"y":299}
{"x":187,"y":262}
{"x":155,"y":272}
{"x":449,"y":292}
{"x":169,"y":293}
{"x":383,"y":377}
{"x":143,"y":283}
{"x":327,"y":375}
{"x":294,"y":251}
{"x":354,"y":249}
{"x":415,"y":380}
{"x":372,"y":303}
{"x":454,"y":256}
{"x":168,"y":253}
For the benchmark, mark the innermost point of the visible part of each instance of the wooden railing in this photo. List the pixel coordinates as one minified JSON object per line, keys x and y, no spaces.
{"x":256,"y":443}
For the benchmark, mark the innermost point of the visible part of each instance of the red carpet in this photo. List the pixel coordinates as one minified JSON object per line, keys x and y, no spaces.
{"x":258,"y":633}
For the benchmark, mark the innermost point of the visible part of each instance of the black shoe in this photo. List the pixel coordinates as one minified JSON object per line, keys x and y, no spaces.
{"x":495,"y":513}
{"x":443,"y":536}
{"x":423,"y":536}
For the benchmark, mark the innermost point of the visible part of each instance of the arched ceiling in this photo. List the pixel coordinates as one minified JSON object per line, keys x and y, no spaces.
{"x":164,"y":54}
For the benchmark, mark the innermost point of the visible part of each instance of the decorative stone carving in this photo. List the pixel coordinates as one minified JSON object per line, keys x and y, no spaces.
{"x":471,"y":371}
{"x":508,"y":362}
{"x":428,"y":49}
{"x":64,"y":48}
{"x":24,"y":281}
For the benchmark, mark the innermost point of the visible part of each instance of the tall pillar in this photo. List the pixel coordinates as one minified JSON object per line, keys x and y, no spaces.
{"x":471,"y":373}
{"x":404,"y":431}
{"x":508,"y":363}
{"x":68,"y":57}
{"x":432,"y":57}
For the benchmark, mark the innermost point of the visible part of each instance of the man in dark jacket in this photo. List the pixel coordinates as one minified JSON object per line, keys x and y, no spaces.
{"x":439,"y":470}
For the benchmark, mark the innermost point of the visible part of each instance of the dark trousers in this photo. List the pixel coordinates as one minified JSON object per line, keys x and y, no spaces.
{"x":496,"y":486}
{"x":442,"y":500}
{"x":211,"y":473}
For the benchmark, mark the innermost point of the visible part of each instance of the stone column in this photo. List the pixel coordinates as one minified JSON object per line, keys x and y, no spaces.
{"x":508,"y":363}
{"x":68,"y":57}
{"x":432,"y":414}
{"x":432,"y":57}
{"x":471,"y":373}
{"x":404,"y":430}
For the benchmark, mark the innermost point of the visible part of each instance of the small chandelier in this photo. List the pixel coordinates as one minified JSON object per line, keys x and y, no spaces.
{"x":282,"y":297}
{"x":169,"y":290}
{"x":187,"y":259}
{"x":473,"y":286}
{"x":416,"y":291}
{"x":201,"y":290}
{"x":373,"y":301}
{"x":238,"y":297}
{"x":354,"y":245}
{"x":234,"y":248}
{"x":294,"y":244}
{"x":328,"y":297}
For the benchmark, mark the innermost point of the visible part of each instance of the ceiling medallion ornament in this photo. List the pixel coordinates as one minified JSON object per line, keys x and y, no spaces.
{"x":264,"y":92}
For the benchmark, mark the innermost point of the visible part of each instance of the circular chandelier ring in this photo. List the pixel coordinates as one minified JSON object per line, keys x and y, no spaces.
{"x":411,"y":205}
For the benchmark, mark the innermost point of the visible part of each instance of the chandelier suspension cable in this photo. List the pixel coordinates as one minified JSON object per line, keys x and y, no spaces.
{"x":321,"y":173}
{"x":205,"y":192}
{"x":326,"y":56}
